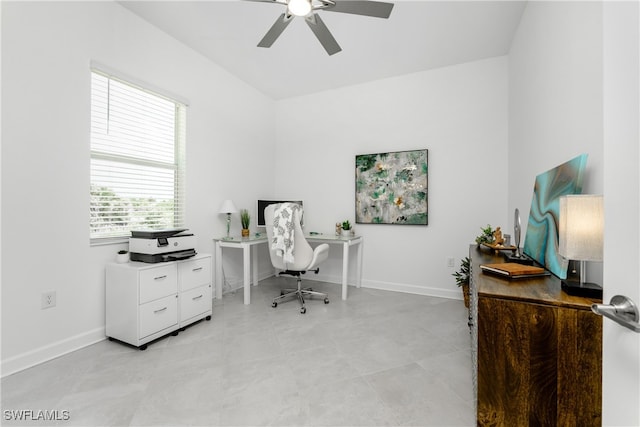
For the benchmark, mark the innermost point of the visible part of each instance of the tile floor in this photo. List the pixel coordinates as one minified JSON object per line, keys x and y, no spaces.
{"x":379,"y":358}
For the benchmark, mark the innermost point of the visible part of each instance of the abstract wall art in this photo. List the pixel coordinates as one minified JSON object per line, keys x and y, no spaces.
{"x":391,"y":188}
{"x":541,"y":240}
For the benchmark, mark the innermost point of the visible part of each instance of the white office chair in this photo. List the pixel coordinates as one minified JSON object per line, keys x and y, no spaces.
{"x":305,"y":258}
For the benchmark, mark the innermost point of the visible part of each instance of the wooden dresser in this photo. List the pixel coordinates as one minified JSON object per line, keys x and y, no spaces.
{"x":537,"y":352}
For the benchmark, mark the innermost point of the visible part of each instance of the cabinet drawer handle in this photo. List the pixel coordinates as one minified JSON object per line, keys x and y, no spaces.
{"x":198,"y":297}
{"x":160,"y":277}
{"x":197,"y":269}
{"x":161,"y":310}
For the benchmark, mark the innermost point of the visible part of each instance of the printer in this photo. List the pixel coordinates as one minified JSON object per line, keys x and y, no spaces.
{"x":161,"y":245}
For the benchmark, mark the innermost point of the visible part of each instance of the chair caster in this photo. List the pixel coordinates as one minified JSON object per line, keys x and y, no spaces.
{"x":303,"y":310}
{"x":326,"y":300}
{"x":142,"y":347}
{"x":208,"y":317}
{"x":274,"y":305}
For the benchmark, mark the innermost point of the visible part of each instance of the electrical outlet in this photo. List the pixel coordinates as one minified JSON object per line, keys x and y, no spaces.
{"x":48,"y":299}
{"x":450,"y":262}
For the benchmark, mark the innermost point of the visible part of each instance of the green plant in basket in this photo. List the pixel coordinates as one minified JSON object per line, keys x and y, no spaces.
{"x":463,"y":278}
{"x":462,"y":275}
{"x":486,"y":236}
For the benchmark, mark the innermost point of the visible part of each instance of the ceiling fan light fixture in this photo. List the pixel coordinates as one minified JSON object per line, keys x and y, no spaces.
{"x":299,"y":7}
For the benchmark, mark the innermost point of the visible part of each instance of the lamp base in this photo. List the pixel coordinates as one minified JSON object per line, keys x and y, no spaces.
{"x":589,"y":290}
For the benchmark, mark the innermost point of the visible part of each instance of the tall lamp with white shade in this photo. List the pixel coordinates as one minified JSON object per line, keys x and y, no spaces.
{"x":580,"y":238}
{"x":228,"y":208}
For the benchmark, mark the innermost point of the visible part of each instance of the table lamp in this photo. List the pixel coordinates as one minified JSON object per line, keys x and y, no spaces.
{"x":228,"y":208}
{"x":580,"y":238}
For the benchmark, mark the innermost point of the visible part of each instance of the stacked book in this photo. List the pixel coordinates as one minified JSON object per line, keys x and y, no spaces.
{"x":514,"y":270}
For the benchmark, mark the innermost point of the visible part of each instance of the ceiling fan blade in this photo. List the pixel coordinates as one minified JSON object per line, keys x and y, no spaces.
{"x":276,"y":29}
{"x":375,"y":9}
{"x":322,"y":33}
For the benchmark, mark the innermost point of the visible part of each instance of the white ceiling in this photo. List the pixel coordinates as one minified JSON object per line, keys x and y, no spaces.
{"x":419,"y":35}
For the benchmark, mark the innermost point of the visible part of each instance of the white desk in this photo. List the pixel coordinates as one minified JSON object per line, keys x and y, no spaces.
{"x":250,"y":256}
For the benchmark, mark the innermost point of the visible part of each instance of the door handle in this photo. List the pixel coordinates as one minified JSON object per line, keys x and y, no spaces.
{"x":621,"y":310}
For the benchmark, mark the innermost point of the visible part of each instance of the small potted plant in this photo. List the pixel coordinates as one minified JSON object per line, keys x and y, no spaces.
{"x":346,"y":228}
{"x":245,"y":219}
{"x":462,"y":279}
{"x":486,"y":236}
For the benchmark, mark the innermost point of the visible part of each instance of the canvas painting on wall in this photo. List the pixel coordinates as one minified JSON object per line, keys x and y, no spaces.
{"x":391,"y":188}
{"x":541,"y":240}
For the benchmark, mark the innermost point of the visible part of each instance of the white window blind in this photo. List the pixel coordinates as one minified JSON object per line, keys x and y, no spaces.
{"x":137,"y":159}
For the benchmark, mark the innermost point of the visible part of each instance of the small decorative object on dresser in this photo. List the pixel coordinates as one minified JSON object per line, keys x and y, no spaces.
{"x":486,"y":236}
{"x":245,"y":220}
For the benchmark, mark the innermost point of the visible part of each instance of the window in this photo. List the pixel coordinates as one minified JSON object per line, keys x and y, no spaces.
{"x":137,"y":159}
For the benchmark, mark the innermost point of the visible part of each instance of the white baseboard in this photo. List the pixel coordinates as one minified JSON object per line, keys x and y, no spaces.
{"x":397,"y":287}
{"x":237,"y":283}
{"x":413,"y":289}
{"x":51,"y":351}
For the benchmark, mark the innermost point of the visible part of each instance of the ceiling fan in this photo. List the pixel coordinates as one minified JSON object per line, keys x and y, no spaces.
{"x":307,"y":9}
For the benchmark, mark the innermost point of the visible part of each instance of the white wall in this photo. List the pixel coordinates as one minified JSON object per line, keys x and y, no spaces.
{"x":555,"y":99}
{"x":458,"y":113}
{"x":46,"y":51}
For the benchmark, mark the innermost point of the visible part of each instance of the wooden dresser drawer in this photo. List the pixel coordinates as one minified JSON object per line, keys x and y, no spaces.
{"x":158,"y":282}
{"x":195,"y":273}
{"x":158,"y":315}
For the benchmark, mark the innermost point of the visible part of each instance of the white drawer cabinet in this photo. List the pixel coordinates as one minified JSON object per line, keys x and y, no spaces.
{"x":147,"y":301}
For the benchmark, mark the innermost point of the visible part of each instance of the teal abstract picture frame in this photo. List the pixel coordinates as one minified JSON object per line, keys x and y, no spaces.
{"x":541,"y":240}
{"x":392,"y":188}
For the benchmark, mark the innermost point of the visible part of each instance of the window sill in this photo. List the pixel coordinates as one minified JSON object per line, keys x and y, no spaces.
{"x":108,"y":241}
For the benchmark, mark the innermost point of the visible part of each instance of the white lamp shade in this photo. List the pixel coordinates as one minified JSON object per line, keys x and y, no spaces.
{"x":228,"y":207}
{"x":581,"y":227}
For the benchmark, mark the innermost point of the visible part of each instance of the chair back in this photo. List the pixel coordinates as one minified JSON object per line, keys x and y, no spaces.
{"x":302,"y":250}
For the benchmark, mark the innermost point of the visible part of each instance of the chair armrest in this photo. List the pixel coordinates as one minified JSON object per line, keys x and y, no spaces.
{"x":320,"y":253}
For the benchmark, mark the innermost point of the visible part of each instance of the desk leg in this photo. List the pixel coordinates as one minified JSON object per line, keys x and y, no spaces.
{"x":345,"y":268}
{"x":359,"y":266}
{"x":254,"y":262}
{"x":218,"y":271}
{"x":246,"y":273}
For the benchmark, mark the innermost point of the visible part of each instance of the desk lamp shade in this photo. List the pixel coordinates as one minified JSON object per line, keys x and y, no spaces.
{"x":228,"y":208}
{"x":580,"y":237}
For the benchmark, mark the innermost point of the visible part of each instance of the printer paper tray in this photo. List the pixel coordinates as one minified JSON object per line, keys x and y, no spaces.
{"x":169,"y":256}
